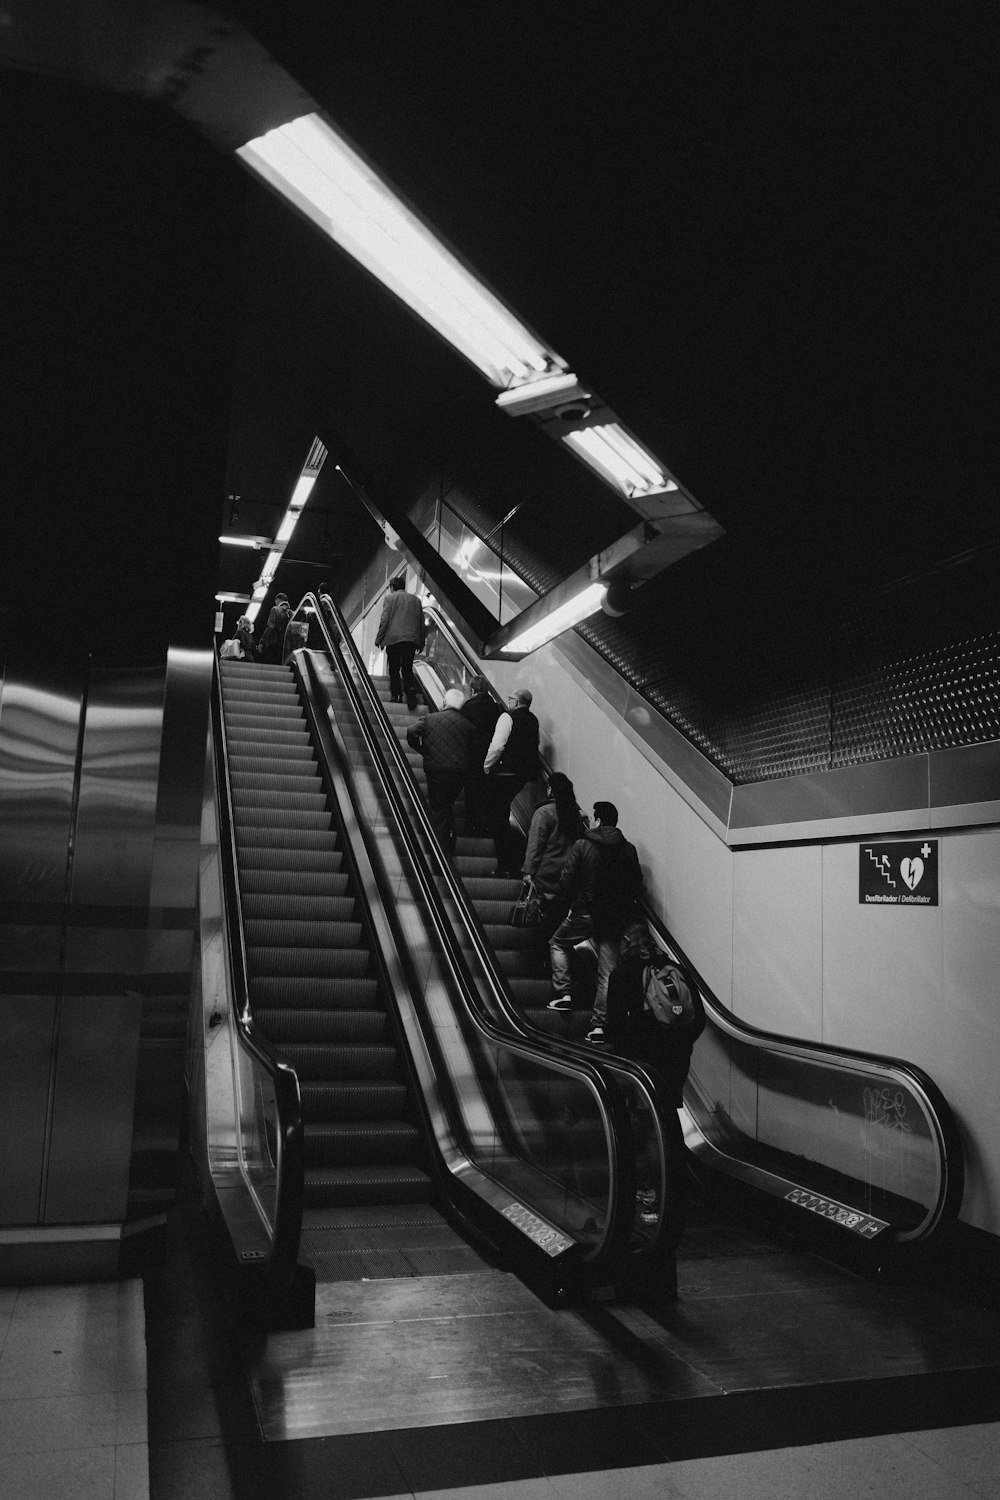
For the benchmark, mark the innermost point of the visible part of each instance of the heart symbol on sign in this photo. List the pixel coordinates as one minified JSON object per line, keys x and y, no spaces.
{"x":911,"y":871}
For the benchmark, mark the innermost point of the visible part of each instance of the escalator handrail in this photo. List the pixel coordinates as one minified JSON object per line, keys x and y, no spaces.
{"x":940,"y":1119}
{"x":278,"y":1272}
{"x":937,"y":1112}
{"x":517,"y":1041}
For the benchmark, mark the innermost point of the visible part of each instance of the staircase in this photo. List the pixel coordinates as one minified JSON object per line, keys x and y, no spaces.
{"x":317,"y":997}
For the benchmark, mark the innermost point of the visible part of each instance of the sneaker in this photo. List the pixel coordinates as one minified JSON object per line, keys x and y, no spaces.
{"x":561,"y":1002}
{"x":596,"y":1035}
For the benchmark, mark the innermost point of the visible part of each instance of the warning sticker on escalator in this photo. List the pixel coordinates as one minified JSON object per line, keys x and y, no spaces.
{"x":551,"y":1240}
{"x":828,"y":1208}
{"x":898,"y":874}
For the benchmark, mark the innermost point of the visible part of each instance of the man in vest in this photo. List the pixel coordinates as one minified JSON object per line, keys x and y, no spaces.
{"x":511,"y":762}
{"x":401,"y":632}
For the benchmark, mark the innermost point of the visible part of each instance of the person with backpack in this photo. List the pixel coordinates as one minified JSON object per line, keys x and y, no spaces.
{"x":655,"y":1016}
{"x":602,"y":882}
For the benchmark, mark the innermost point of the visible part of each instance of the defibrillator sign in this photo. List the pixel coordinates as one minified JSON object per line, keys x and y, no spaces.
{"x":900,"y":874}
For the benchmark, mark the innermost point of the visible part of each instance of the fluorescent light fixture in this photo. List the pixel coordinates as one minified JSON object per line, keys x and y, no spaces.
{"x":309,"y":163}
{"x":246,"y":541}
{"x":619,"y":458}
{"x":300,"y":494}
{"x":541,"y":393}
{"x":227,"y":598}
{"x":567,"y":615}
{"x":287,"y":526}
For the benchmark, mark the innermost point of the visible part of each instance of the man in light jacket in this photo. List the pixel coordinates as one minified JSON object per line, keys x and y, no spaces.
{"x":401,"y":632}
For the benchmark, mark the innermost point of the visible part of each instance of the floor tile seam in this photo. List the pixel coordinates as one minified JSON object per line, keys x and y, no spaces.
{"x":434,"y":1318}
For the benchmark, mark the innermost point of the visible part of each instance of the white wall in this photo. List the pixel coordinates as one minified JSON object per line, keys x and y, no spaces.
{"x":780,"y":936}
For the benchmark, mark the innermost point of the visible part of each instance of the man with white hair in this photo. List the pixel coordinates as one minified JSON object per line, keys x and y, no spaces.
{"x":511,"y":762}
{"x":447,"y":741}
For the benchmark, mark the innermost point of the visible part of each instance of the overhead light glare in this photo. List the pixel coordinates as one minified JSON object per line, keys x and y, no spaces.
{"x":245,"y":541}
{"x":309,"y":163}
{"x":229,"y":598}
{"x":564,"y":618}
{"x":287,"y":527}
{"x":620,"y":459}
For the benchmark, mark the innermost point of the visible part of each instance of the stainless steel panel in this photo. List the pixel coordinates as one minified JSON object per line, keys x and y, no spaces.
{"x":117,"y":803}
{"x":177,"y":839}
{"x":26,"y":1023}
{"x":92,"y":1105}
{"x":883,"y":787}
{"x":39,"y":728}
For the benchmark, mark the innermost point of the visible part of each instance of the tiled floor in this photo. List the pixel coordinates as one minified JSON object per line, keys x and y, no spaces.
{"x":73,"y":1393}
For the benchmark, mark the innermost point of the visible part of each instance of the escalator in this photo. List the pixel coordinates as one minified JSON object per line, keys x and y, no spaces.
{"x":318,"y":995}
{"x":858,"y":1148}
{"x":360,"y":1098}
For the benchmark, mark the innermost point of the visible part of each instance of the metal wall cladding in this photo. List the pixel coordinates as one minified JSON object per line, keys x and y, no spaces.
{"x":39,"y":741}
{"x":118,"y":787}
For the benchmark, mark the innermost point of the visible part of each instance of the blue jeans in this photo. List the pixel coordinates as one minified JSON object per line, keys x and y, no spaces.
{"x":577,"y":928}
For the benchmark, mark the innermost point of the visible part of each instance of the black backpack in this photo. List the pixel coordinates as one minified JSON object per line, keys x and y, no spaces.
{"x":668,"y":995}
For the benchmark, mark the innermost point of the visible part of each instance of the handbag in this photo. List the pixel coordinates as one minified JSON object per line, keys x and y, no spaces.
{"x":528,"y":909}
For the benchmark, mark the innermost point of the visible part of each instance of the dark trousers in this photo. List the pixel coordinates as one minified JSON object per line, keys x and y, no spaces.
{"x":401,"y":656}
{"x":476,"y":800}
{"x":443,"y":788}
{"x":501,"y":791}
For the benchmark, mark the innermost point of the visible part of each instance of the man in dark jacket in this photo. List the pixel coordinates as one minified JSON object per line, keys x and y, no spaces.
{"x":511,"y":762}
{"x":272,"y":640}
{"x":446,"y":740}
{"x":401,"y":632}
{"x":602,"y":882}
{"x":482,"y":711}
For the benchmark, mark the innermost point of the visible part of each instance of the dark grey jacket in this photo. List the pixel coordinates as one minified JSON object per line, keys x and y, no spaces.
{"x":446,"y":739}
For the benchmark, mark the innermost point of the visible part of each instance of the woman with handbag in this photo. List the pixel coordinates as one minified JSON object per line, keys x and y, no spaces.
{"x":556,"y":824}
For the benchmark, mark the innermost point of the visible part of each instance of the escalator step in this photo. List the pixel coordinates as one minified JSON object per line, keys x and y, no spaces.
{"x":359,"y":1061}
{"x":371,"y":1142}
{"x":281,"y":907}
{"x":490,"y":888}
{"x":290,"y":783}
{"x":246,"y":761}
{"x":493,"y":912}
{"x":248,"y":736}
{"x":316,"y":963}
{"x":344,"y":992}
{"x":471,"y":867}
{"x":504,"y":936}
{"x":291,"y":935}
{"x":532,"y":993}
{"x":404,"y":1183}
{"x":275,"y":863}
{"x":259,"y":710}
{"x":295,"y":884}
{"x":245,"y":817}
{"x":303,"y":840}
{"x":382,"y":1100}
{"x":313,"y":1028}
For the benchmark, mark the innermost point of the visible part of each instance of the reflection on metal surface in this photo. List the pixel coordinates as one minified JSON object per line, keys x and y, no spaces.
{"x":117,"y":799}
{"x":551,"y":1240}
{"x":39,"y":731}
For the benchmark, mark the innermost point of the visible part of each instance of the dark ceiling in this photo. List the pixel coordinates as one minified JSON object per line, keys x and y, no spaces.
{"x":759,"y":232}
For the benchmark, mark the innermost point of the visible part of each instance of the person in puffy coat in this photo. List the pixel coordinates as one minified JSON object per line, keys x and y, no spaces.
{"x":446,"y":741}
